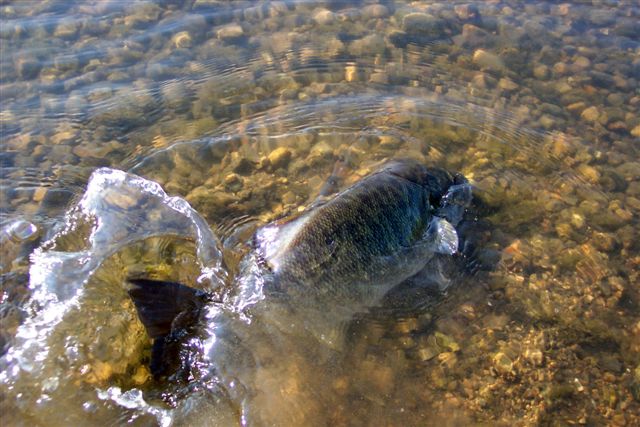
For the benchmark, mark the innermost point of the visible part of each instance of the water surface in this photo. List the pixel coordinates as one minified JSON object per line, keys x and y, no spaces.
{"x":244,"y":110}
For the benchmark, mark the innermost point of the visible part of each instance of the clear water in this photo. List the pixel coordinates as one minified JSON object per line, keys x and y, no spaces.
{"x":200,"y":120}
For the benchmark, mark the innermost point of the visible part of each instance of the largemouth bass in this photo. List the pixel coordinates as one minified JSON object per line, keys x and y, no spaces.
{"x":310,"y":274}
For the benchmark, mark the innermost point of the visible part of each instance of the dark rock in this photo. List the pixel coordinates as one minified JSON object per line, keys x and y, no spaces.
{"x":628,"y":28}
{"x":399,"y":39}
{"x":243,"y":166}
{"x":28,"y":67}
{"x":424,"y":25}
{"x":56,"y":198}
{"x":7,"y":158}
{"x":601,"y":79}
{"x":602,"y":17}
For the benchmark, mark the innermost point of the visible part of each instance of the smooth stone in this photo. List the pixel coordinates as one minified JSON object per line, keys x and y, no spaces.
{"x":182,"y":40}
{"x":230,"y":32}
{"x":507,"y":84}
{"x":603,"y":17}
{"x":589,"y":173}
{"x":629,"y":170}
{"x":289,"y":198}
{"x":66,"y":30}
{"x":56,"y":198}
{"x":473,"y":37}
{"x":615,"y":99}
{"x":467,"y":12}
{"x":423,"y":24}
{"x":371,"y":45}
{"x":488,"y":60}
{"x":541,"y":72}
{"x":503,"y":363}
{"x":627,"y":28}
{"x":483,"y":80}
{"x":176,"y":95}
{"x":279,"y":158}
{"x":21,"y":231}
{"x":547,"y":121}
{"x":581,"y":63}
{"x":321,"y":150}
{"x":375,"y":11}
{"x":233,"y":183}
{"x":142,"y":14}
{"x":560,"y":68}
{"x":590,"y":114}
{"x":64,"y":137}
{"x":324,"y":17}
{"x":28,"y":67}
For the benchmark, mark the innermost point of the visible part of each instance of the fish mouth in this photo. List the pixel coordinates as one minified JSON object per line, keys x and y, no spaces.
{"x":438,"y":182}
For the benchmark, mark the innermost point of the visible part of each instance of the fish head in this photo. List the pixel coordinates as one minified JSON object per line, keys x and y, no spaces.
{"x":435,"y":180}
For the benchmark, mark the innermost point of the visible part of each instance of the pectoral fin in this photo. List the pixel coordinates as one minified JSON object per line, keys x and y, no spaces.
{"x":446,"y":237}
{"x":455,"y":202}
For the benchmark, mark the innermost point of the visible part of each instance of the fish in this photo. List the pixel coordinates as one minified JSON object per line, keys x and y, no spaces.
{"x":310,"y":273}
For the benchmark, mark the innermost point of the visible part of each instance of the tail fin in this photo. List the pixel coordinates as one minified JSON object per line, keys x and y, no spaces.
{"x":167,"y":310}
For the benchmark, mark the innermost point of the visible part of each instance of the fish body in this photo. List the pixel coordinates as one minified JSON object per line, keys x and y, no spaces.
{"x":313,"y":272}
{"x":351,"y":250}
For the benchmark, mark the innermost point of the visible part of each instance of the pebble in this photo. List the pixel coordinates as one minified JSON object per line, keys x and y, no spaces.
{"x":390,"y":142}
{"x":488,"y":60}
{"x":28,"y":67}
{"x":66,"y":30}
{"x":233,"y":183}
{"x":324,"y":17}
{"x":321,"y":150}
{"x":370,"y":45}
{"x":230,"y":32}
{"x":547,"y":121}
{"x":375,"y":11}
{"x":467,"y":12}
{"x":502,"y":363}
{"x":541,"y":72}
{"x":507,"y":84}
{"x":581,"y":63}
{"x":351,"y":73}
{"x":590,"y":114}
{"x":142,"y":15}
{"x":289,"y":198}
{"x":39,"y":193}
{"x":483,"y":81}
{"x":535,"y":356}
{"x":176,"y":95}
{"x":279,"y":158}
{"x":182,"y":40}
{"x":636,"y":131}
{"x":21,"y":231}
{"x":589,"y":173}
{"x":473,"y":37}
{"x":64,"y":137}
{"x":423,"y":24}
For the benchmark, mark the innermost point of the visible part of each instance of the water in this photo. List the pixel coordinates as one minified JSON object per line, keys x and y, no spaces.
{"x":244,"y":110}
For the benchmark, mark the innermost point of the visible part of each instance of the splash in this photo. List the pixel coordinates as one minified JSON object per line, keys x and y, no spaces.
{"x":117,"y":210}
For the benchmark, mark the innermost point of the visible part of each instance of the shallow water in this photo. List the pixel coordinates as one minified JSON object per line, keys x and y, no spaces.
{"x":245,"y":110}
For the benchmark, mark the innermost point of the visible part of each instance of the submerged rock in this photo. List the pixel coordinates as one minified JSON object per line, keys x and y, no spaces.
{"x":422,"y":24}
{"x":230,"y":32}
{"x":488,"y":60}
